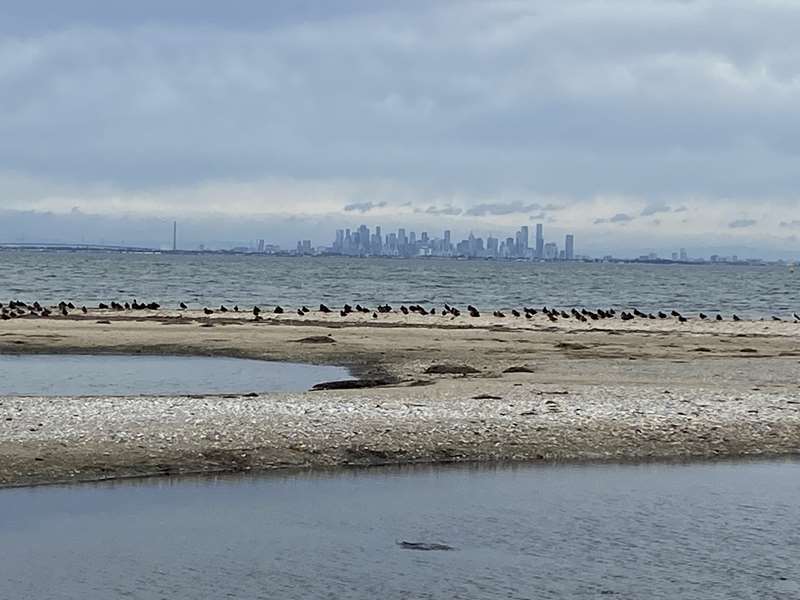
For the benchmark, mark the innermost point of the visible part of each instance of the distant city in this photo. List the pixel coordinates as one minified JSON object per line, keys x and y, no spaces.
{"x":364,"y":242}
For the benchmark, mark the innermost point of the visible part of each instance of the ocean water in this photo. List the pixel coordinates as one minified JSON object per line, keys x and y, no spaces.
{"x":200,"y":280}
{"x":658,"y":531}
{"x":121,"y":375}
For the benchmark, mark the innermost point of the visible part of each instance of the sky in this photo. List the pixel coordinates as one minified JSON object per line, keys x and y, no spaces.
{"x":638,"y":126}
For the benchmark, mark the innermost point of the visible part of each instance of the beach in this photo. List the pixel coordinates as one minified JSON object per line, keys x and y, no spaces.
{"x":433,"y":389}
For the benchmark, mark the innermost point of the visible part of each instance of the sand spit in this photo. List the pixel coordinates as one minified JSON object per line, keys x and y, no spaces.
{"x":434,"y":389}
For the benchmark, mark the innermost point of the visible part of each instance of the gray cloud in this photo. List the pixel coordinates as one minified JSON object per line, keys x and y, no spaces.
{"x":363,"y":207}
{"x":790,"y":224}
{"x":442,"y":211}
{"x":507,"y":208}
{"x":741,"y":223}
{"x":652,"y":209}
{"x":619,"y":218}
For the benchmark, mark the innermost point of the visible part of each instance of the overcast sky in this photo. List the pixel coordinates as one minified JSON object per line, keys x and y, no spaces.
{"x":636,"y":125}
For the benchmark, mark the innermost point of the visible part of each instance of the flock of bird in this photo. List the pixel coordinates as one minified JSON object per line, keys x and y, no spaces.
{"x":18,"y":309}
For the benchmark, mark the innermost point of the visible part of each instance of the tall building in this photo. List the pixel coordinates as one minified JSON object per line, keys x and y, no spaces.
{"x":524,"y":240}
{"x":447,"y":244}
{"x":550,"y":251}
{"x":684,"y":256}
{"x":569,"y":247}
{"x":174,"y":236}
{"x":539,"y":241}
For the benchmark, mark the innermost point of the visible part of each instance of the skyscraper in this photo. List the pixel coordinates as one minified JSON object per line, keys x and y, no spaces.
{"x":569,"y":247}
{"x":524,"y":238}
{"x":539,"y":241}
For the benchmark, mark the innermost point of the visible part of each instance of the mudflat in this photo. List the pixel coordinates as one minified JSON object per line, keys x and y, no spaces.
{"x":431,"y":389}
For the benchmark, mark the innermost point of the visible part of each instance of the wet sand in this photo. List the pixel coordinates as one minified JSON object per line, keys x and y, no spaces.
{"x":512,"y":389}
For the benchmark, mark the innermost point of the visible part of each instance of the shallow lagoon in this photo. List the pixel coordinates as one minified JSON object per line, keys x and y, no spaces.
{"x":121,"y":375}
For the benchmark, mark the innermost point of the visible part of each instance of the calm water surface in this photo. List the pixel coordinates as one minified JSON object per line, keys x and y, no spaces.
{"x":118,"y":375}
{"x":699,"y":531}
{"x":88,"y":277}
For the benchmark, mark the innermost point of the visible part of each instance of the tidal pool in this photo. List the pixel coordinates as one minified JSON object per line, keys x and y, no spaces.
{"x":655,"y":531}
{"x":122,"y":375}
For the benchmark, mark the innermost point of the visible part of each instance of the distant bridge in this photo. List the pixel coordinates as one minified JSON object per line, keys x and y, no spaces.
{"x":74,"y":247}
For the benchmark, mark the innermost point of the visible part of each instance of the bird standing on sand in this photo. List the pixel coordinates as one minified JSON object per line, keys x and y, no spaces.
{"x":278,"y":310}
{"x":183,"y":306}
{"x":324,"y":309}
{"x":208,"y":311}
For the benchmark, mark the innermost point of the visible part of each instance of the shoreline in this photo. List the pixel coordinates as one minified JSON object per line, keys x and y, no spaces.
{"x":617,"y":392}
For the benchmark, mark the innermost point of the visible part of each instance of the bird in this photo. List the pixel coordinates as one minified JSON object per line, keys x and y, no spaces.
{"x":735,"y":318}
{"x":682,"y":319}
{"x":208,"y":311}
{"x":102,"y":306}
{"x":278,"y":310}
{"x":498,"y":314}
{"x":84,"y":310}
{"x":256,"y":311}
{"x":300,"y":313}
{"x":796,"y":316}
{"x":774,"y":318}
{"x":183,"y":306}
{"x":703,"y":316}
{"x":222,"y":308}
{"x":404,"y":310}
{"x":324,"y":309}
{"x":719,"y":317}
{"x":235,"y":308}
{"x":515,"y":312}
{"x":675,"y":313}
{"x":662,"y":315}
{"x":473,"y":312}
{"x":374,"y":315}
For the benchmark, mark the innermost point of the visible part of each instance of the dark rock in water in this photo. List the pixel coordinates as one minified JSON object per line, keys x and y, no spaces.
{"x":351,"y":384}
{"x":424,"y":546}
{"x":450,"y":369}
{"x":571,"y":346}
{"x":316,"y":339}
{"x":518,"y":369}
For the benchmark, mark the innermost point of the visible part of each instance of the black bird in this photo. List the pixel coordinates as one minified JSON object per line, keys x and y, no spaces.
{"x":300,"y":313}
{"x":102,"y":306}
{"x":222,"y":308}
{"x":682,"y":319}
{"x":473,"y":312}
{"x":127,"y":306}
{"x":342,"y":313}
{"x":305,"y":309}
{"x":528,"y":315}
{"x":774,"y":318}
{"x":455,"y":312}
{"x":235,"y":308}
{"x":183,"y":306}
{"x":702,"y":316}
{"x":64,"y":311}
{"x":662,"y":315}
{"x":256,"y":310}
{"x":433,"y":311}
{"x":675,"y":313}
{"x":347,"y":309}
{"x":719,"y":317}
{"x":403,"y":310}
{"x":323,"y":308}
{"x":796,"y":317}
{"x":735,"y":318}
{"x":499,"y":314}
{"x":84,"y":310}
{"x":208,"y":311}
{"x":70,"y":305}
{"x":374,"y":315}
{"x":515,"y":312}
{"x":278,"y":310}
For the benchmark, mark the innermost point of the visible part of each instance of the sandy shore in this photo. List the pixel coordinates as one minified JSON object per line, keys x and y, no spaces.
{"x":533,"y":390}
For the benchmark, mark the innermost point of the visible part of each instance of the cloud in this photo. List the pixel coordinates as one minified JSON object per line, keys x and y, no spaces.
{"x":619,"y":218}
{"x":442,"y":211}
{"x":507,"y":208}
{"x":790,"y":224}
{"x":652,"y":209}
{"x":363,"y":207}
{"x":742,"y":223}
